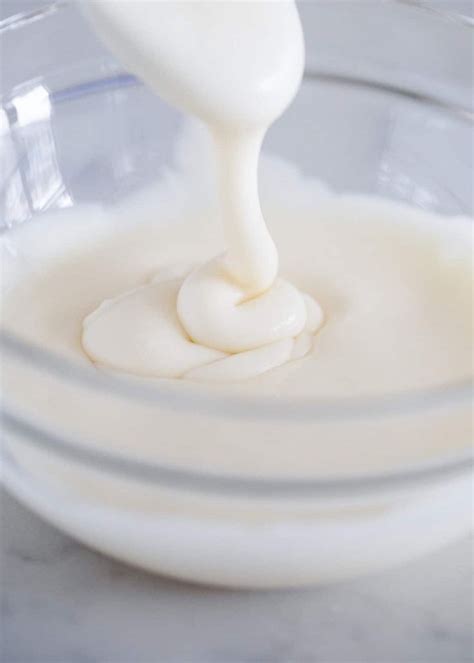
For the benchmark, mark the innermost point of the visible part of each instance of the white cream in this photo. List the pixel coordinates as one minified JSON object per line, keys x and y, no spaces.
{"x":399,"y":331}
{"x":387,"y":329}
{"x":236,"y":65}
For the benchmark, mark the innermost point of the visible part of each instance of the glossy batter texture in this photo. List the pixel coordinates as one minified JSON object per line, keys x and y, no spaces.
{"x":236,"y":66}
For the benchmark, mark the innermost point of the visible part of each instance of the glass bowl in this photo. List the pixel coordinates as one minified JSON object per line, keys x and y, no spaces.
{"x":89,"y":133}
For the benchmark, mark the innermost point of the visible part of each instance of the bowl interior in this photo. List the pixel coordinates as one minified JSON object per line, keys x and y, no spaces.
{"x":95,"y":134}
{"x":92,"y":133}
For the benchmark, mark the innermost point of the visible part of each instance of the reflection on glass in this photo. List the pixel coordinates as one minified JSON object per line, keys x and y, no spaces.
{"x":31,"y":180}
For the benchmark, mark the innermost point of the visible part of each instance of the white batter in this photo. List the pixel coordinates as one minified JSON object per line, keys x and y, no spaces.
{"x":148,"y":296}
{"x":141,"y":291}
{"x":395,"y":282}
{"x":236,"y":65}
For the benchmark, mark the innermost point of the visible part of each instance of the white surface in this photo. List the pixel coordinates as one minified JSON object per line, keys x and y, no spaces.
{"x":62,"y":603}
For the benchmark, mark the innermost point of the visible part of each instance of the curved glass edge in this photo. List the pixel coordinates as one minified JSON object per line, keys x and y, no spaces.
{"x":440,"y":12}
{"x":170,"y":477}
{"x":24,"y":18}
{"x":183,"y":396}
{"x":21,"y":19}
{"x":121,"y":79}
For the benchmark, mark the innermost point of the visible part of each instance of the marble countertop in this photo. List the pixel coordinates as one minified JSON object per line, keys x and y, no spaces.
{"x":62,"y":603}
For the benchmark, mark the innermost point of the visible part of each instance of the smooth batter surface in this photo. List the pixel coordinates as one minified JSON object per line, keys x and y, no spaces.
{"x":395,"y":282}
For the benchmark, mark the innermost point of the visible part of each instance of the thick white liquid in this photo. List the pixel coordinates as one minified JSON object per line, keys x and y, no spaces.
{"x":237,"y":66}
{"x":395,"y":282}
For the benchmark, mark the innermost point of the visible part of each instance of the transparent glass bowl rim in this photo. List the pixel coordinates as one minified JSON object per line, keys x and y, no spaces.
{"x":240,"y":407}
